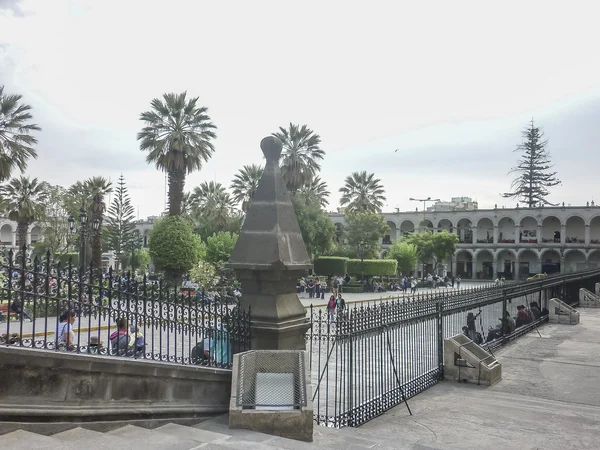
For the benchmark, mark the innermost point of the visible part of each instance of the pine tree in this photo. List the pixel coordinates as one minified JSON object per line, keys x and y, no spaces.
{"x":120,"y":226}
{"x":534,"y":174}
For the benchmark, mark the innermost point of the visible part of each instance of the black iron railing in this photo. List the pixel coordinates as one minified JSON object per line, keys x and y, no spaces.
{"x":370,"y":357}
{"x":46,"y":306}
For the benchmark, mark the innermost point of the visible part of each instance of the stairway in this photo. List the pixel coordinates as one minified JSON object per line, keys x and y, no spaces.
{"x":210,"y":434}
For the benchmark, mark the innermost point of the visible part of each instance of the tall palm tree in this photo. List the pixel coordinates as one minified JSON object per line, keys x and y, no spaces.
{"x":362,"y":192}
{"x":97,"y":188}
{"x":16,"y":140}
{"x":25,"y":201}
{"x":315,"y":192}
{"x":245,"y":184}
{"x":206,"y":193}
{"x":300,"y":156}
{"x":177,"y":136}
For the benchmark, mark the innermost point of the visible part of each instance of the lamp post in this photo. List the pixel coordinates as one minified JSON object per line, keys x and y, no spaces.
{"x":424,"y":201}
{"x":361,"y":253}
{"x":82,"y":231}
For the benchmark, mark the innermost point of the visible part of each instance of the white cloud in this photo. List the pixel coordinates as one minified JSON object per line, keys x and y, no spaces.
{"x":450,"y":83}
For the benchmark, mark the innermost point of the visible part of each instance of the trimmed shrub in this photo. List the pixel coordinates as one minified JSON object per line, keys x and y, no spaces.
{"x":330,"y":265}
{"x":65,"y":257}
{"x":373,"y":267}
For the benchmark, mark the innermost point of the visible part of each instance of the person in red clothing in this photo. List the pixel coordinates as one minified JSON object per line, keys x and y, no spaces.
{"x":523,"y":316}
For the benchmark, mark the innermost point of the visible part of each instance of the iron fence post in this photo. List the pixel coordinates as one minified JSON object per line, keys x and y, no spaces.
{"x":440,"y":333}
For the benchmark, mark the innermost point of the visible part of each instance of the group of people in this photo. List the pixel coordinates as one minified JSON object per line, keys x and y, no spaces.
{"x":507,"y":325}
{"x":336,"y":304}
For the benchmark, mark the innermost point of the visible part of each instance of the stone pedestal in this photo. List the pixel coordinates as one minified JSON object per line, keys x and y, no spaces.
{"x":279,"y":319}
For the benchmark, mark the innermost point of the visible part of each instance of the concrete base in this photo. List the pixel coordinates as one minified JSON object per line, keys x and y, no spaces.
{"x":51,"y":386}
{"x":560,"y":312}
{"x":467,"y":362}
{"x":293,"y":424}
{"x":588,"y":299}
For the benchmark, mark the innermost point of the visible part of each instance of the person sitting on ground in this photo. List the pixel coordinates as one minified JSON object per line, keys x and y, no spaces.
{"x":119,"y":340}
{"x":523,"y":317}
{"x":137,"y":343}
{"x":17,"y":307}
{"x":201,"y":352}
{"x":65,"y":333}
{"x":508,"y":323}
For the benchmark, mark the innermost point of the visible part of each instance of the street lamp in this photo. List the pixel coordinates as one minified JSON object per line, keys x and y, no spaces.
{"x":361,"y":253}
{"x":424,"y":201}
{"x":83,"y":231}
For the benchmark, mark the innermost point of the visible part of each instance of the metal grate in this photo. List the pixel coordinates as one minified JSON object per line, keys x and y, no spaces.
{"x":271,"y":380}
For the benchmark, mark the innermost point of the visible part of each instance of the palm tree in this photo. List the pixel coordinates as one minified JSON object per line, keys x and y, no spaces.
{"x":301,"y":152}
{"x":25,"y":201}
{"x":245,"y":184}
{"x":362,"y":192}
{"x":315,"y":192}
{"x":96,"y":189}
{"x":177,"y":136}
{"x":206,"y":193}
{"x":16,"y":140}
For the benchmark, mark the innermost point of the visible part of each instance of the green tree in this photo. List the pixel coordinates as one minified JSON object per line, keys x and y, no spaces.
{"x":315,"y":192}
{"x":245,"y":185}
{"x":16,"y":139}
{"x":367,"y":228}
{"x":219,"y":247}
{"x":54,"y":222}
{"x":405,"y":254}
{"x":362,"y":192}
{"x":205,"y":274}
{"x":120,"y":226}
{"x":318,"y":231}
{"x":534,"y":173}
{"x":25,"y":202}
{"x":301,"y":155}
{"x":178,"y":137}
{"x":141,"y":259}
{"x":436,"y":247}
{"x":174,"y":249}
{"x":97,"y":189}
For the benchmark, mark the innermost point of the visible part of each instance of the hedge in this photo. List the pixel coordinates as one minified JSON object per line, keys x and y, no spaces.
{"x":330,"y":265}
{"x":65,"y":257}
{"x":373,"y":267}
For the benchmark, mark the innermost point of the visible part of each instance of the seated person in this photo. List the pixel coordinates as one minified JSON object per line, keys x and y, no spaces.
{"x":523,"y":317}
{"x":201,"y":352}
{"x":119,"y":340}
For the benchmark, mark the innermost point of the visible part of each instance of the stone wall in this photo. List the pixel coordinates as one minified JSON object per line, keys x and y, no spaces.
{"x":38,"y":385}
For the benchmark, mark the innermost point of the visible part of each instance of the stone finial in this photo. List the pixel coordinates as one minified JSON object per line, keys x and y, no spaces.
{"x":271,"y":148}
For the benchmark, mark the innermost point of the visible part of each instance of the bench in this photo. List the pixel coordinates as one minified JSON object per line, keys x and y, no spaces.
{"x":11,"y":315}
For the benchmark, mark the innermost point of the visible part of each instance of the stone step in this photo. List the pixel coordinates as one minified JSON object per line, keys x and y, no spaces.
{"x":146,"y":439}
{"x":191,"y":433}
{"x":26,"y":440}
{"x":95,"y":439}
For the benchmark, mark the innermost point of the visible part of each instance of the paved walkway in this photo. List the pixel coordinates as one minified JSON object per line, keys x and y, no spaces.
{"x":548,"y":399}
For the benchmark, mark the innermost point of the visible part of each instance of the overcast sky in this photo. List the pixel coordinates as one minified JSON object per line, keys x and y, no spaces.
{"x":449,"y":84}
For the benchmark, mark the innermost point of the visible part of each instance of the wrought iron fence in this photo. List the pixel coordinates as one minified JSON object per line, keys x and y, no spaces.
{"x":46,"y":306}
{"x":368,"y":358}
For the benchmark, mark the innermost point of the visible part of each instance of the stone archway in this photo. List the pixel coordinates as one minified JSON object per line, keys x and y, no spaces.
{"x":445,"y":225}
{"x":575,"y":230}
{"x":485,"y":231}
{"x":484,"y":265}
{"x":506,"y":231}
{"x":575,"y":261}
{"x":529,"y":264}
{"x":464,"y":264}
{"x":390,"y":237}
{"x":464,"y":229}
{"x":506,"y":264}
{"x":407,"y":227}
{"x":550,"y":261}
{"x":551,"y":230}
{"x":594,"y":259}
{"x":6,"y":234}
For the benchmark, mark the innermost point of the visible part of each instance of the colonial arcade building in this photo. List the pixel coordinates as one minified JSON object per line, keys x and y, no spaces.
{"x":511,"y":243}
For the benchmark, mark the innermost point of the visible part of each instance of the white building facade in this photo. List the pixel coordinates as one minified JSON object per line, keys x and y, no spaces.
{"x":511,"y":243}
{"x":8,"y":233}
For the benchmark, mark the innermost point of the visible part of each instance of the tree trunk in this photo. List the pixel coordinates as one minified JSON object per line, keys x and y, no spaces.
{"x":96,"y":248}
{"x":176,"y":185}
{"x":21,"y":235}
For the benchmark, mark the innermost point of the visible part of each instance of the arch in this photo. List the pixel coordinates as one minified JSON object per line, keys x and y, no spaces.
{"x":464,"y":263}
{"x":550,"y":261}
{"x":146,"y":233}
{"x":426,"y":223}
{"x":529,"y":263}
{"x":390,"y":237}
{"x":506,"y":230}
{"x":6,"y":234}
{"x":575,"y":230}
{"x":575,"y":261}
{"x":445,"y":225}
{"x":506,"y":266}
{"x":528,"y":230}
{"x":551,"y":226}
{"x":406,"y":227}
{"x":593,"y":259}
{"x":464,"y":229}
{"x":485,"y":231}
{"x":36,"y":234}
{"x":484,"y":264}
{"x":595,"y":230}
{"x":491,"y":219}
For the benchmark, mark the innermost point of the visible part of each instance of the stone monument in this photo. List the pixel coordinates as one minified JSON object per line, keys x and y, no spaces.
{"x":269,"y":258}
